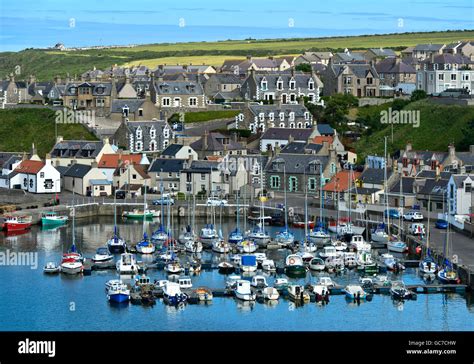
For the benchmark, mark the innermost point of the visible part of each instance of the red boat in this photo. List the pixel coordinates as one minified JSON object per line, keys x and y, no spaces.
{"x":17,"y":223}
{"x":300,"y":224}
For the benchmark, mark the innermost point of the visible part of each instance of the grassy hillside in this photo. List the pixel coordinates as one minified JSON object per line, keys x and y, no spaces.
{"x":19,"y":128}
{"x":439,"y":126}
{"x":201,"y":116}
{"x":45,"y":64}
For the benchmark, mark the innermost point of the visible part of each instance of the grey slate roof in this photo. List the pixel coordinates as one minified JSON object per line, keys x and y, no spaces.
{"x":296,"y":163}
{"x":167,"y":165}
{"x":360,"y":70}
{"x":133,"y":105}
{"x":434,"y":187}
{"x":77,"y":170}
{"x":203,"y":166}
{"x":301,"y":79}
{"x":77,"y":148}
{"x":407,"y":186}
{"x":62,"y":169}
{"x":374,"y":175}
{"x":294,"y":148}
{"x":432,"y":174}
{"x":215,"y":143}
{"x":325,"y":129}
{"x":284,"y":133}
{"x":172,"y":149}
{"x":383,"y":52}
{"x":178,"y":88}
{"x":350,"y":57}
{"x":466,"y":157}
{"x":393,"y":65}
{"x":428,"y":47}
{"x":459,"y":178}
{"x":98,"y":88}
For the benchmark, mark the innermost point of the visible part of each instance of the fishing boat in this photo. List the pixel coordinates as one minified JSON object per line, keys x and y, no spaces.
{"x":294,"y":265}
{"x":350,"y":260}
{"x":354,"y":291}
{"x":366,"y":264}
{"x":51,"y":219}
{"x":270,"y":294}
{"x":247,"y":246}
{"x":112,"y":282}
{"x":231,"y":281}
{"x":392,"y":263}
{"x":297,"y":293}
{"x":379,"y":234}
{"x":399,"y":291}
{"x":317,"y":264}
{"x":397,"y":246}
{"x":281,"y":283}
{"x":127,"y":264}
{"x":185,"y":282}
{"x":259,"y":281}
{"x":268,"y":265}
{"x":339,"y":245}
{"x":302,"y":225}
{"x":17,"y":223}
{"x":203,"y":294}
{"x":172,"y":294}
{"x":102,"y":255}
{"x":359,"y":244}
{"x":243,"y":291}
{"x":248,"y":263}
{"x":139,"y":214}
{"x":118,"y":293}
{"x":225,"y":267}
{"x":329,"y":252}
{"x":51,"y":268}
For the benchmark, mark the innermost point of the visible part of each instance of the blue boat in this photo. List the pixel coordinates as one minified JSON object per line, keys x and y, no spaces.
{"x":116,"y":244}
{"x":118,"y":293}
{"x":285,"y":237}
{"x":160,"y":235}
{"x":235,"y":237}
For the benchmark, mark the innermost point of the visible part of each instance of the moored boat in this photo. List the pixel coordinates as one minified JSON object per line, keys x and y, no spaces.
{"x":51,"y":218}
{"x":243,"y":291}
{"x":294,"y":265}
{"x":17,"y":223}
{"x":51,"y":268}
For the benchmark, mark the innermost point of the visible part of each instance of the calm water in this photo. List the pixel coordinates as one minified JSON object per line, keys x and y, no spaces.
{"x":32,"y":301}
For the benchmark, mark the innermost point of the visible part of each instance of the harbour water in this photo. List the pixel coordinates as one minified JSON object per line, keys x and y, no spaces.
{"x":33,"y":301}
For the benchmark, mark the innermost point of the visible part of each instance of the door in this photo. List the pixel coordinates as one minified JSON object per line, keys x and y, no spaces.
{"x":293,"y":184}
{"x":176,"y":102}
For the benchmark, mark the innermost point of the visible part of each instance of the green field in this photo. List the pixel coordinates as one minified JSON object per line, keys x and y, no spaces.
{"x":201,"y":116}
{"x":45,"y":64}
{"x":440,"y":125}
{"x":19,"y":128}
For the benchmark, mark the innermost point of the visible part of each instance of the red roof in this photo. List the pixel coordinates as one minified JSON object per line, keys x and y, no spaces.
{"x":340,"y":181}
{"x":321,"y":139}
{"x":29,"y":166}
{"x":112,"y":160}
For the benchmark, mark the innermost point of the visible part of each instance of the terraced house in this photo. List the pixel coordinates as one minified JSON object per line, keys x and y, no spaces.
{"x":358,"y":79}
{"x":284,"y":87}
{"x":178,"y":95}
{"x":89,"y":95}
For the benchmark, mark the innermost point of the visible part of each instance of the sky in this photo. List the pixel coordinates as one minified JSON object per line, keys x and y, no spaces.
{"x":40,"y":23}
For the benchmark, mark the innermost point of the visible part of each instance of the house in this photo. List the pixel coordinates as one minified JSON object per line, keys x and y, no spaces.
{"x":133,"y":110}
{"x":131,"y":178}
{"x":340,"y":184}
{"x":378,"y":54}
{"x":86,"y":180}
{"x":14,"y":92}
{"x":179,"y":151}
{"x":222,"y":87}
{"x":35,"y":176}
{"x":178,"y":94}
{"x":67,"y":152}
{"x":424,"y":51}
{"x":147,"y":136}
{"x":460,"y":198}
{"x":109,"y":163}
{"x":241,"y":67}
{"x":284,"y":87}
{"x":203,"y":177}
{"x":277,"y":138}
{"x":168,"y":172}
{"x":89,"y":95}
{"x":410,"y":161}
{"x":463,"y":48}
{"x":445,"y":71}
{"x":402,"y":192}
{"x":348,"y":57}
{"x":216,"y":144}
{"x":313,"y":58}
{"x":431,"y":190}
{"x":9,"y":162}
{"x":370,"y":184}
{"x":360,"y":80}
{"x":259,"y":118}
{"x":396,"y":75}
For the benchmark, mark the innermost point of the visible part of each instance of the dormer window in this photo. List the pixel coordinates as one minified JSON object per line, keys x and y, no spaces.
{"x":125,"y":111}
{"x":280,"y":84}
{"x":292,"y":116}
{"x":261,"y":116}
{"x":152,"y":133}
{"x":306,"y":115}
{"x":271,"y":116}
{"x":282,"y":116}
{"x":264,"y":84}
{"x":292,"y":84}
{"x":139,"y":133}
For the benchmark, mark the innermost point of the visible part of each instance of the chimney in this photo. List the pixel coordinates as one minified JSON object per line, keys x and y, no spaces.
{"x":31,"y":79}
{"x":47,"y":159}
{"x":59,"y":139}
{"x":452,"y":150}
{"x":106,"y":141}
{"x":408,"y":148}
{"x":291,"y":139}
{"x":471,"y":149}
{"x":204,"y":140}
{"x":249,"y":58}
{"x":57,"y":80}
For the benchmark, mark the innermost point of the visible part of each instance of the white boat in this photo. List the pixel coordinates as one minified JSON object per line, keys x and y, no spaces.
{"x":231,"y":281}
{"x":270,"y":293}
{"x":220,"y":246}
{"x":281,"y":283}
{"x":145,"y":246}
{"x":71,"y":266}
{"x":364,"y":259}
{"x":111,"y":283}
{"x":399,"y":291}
{"x":174,"y":267}
{"x":294,"y":265}
{"x":328,"y":252}
{"x":116,"y":244}
{"x":187,"y":236}
{"x":203,"y":294}
{"x":319,"y":236}
{"x":297,"y":293}
{"x":172,"y":294}
{"x":335,"y":264}
{"x":259,"y":281}
{"x":285,"y":238}
{"x":193,"y":246}
{"x":118,"y":293}
{"x":51,"y":268}
{"x":208,"y":233}
{"x":309,"y":247}
{"x":428,"y":266}
{"x":317,"y":264}
{"x":247,"y":246}
{"x":350,"y":260}
{"x":358,"y":243}
{"x":345,"y":228}
{"x":243,"y":291}
{"x":305,"y":256}
{"x":391,"y":262}
{"x":185,"y":282}
{"x":127,"y":264}
{"x":320,"y":289}
{"x":260,"y":257}
{"x":397,"y":246}
{"x":326,"y":282}
{"x":236,"y":236}
{"x":379,"y":235}
{"x":102,"y":255}
{"x":339,"y":245}
{"x":354,"y":291}
{"x":248,"y":263}
{"x":160,"y":236}
{"x":259,"y":236}
{"x":268,"y":265}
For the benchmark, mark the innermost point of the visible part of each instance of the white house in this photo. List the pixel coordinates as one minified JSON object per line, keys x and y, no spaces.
{"x":179,"y":151}
{"x":460,"y":196}
{"x":36,"y":176}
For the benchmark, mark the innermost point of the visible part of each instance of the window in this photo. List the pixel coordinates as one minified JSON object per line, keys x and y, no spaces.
{"x":166,"y":101}
{"x":453,"y":77}
{"x":102,"y":188}
{"x":311,"y":85}
{"x":275,"y":182}
{"x":140,"y":112}
{"x":292,"y":116}
{"x":312,"y":184}
{"x":467,"y":187}
{"x":306,"y":115}
{"x":153,"y":146}
{"x":282,"y":116}
{"x":279,"y":85}
{"x":271,"y":116}
{"x":170,"y":174}
{"x":138,"y":133}
{"x":41,"y":174}
{"x":261,"y":116}
{"x":465,"y":76}
{"x":193,"y":101}
{"x":134,"y":176}
{"x":369,"y":80}
{"x":441,"y":77}
{"x":203,"y":176}
{"x":139,"y":146}
{"x":100,"y":102}
{"x":292,"y":84}
{"x":264,"y":84}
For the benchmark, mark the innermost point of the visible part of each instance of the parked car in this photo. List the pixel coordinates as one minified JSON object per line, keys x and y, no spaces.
{"x":413,"y":216}
{"x":416,"y":229}
{"x":214,"y":201}
{"x":164,"y":200}
{"x":120,"y":194}
{"x":441,"y":224}
{"x":392,"y":213}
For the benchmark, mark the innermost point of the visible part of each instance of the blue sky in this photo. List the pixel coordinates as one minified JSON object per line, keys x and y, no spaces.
{"x":38,"y":23}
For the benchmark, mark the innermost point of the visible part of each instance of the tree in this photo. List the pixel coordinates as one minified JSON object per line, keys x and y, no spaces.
{"x":304,"y":67}
{"x":418,"y":95}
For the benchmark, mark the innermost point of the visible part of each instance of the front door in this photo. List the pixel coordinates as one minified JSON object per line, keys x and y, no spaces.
{"x":176,"y":102}
{"x":292,"y":184}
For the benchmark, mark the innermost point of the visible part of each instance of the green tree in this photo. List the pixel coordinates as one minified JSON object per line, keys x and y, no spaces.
{"x":418,"y":95}
{"x":304,"y":67}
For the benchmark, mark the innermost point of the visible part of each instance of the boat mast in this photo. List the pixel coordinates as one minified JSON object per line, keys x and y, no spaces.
{"x":144,"y":211}
{"x":305,"y":207}
{"x":385,"y":185}
{"x":401,"y":205}
{"x":321,"y":200}
{"x":286,"y":205}
{"x":73,"y":218}
{"x":262,"y":210}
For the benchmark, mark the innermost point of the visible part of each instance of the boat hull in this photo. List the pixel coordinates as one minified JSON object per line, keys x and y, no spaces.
{"x":118,"y":297}
{"x":295,"y":271}
{"x":8,"y":226}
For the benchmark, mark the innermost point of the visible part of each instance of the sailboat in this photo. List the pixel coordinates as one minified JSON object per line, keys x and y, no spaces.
{"x":219,"y":245}
{"x":395,"y":244}
{"x":428,"y":266}
{"x":285,"y":237}
{"x":145,"y":246}
{"x":448,"y":275}
{"x":188,"y":237}
{"x":236,"y":235}
{"x":258,"y":235}
{"x":160,"y":236}
{"x":319,"y":235}
{"x":72,"y":261}
{"x":116,"y":244}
